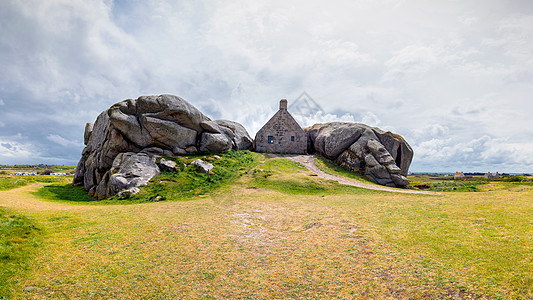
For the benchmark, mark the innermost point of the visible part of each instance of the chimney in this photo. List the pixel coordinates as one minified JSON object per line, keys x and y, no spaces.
{"x":283,"y":104}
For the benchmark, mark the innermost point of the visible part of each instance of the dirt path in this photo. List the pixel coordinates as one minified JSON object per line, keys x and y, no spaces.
{"x":24,"y":199}
{"x":308,"y":161}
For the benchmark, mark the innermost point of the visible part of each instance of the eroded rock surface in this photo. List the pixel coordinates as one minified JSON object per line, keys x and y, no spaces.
{"x":383,"y":157}
{"x":123,"y":145}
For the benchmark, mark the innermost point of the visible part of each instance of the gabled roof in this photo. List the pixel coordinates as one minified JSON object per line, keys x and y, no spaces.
{"x":286,"y":115}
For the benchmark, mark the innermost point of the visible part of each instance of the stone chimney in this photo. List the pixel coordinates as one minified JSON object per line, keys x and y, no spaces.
{"x":283,"y":104}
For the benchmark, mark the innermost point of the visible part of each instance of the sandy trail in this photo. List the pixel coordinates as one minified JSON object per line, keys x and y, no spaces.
{"x":22,"y":198}
{"x":308,"y":161}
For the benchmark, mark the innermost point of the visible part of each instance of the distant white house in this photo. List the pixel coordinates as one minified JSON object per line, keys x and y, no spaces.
{"x":26,"y":174}
{"x":459,"y":175}
{"x":58,"y":174}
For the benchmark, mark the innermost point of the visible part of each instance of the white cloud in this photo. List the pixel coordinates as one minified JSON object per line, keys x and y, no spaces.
{"x":481,"y":154}
{"x":413,"y":58}
{"x":75,"y":50}
{"x":63,"y":141}
{"x":462,"y":70}
{"x":11,"y":150}
{"x":320,"y":117}
{"x":371,"y":119}
{"x":2,"y":103}
{"x":431,"y":130}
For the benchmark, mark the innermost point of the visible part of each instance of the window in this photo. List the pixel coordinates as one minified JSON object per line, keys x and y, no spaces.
{"x":292,"y":138}
{"x":270,"y":139}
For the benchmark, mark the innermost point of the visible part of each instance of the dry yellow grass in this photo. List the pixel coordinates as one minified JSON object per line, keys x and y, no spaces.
{"x":249,"y":242}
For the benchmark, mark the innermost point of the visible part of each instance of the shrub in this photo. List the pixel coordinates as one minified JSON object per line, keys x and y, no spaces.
{"x":514,"y":179}
{"x":46,"y":172}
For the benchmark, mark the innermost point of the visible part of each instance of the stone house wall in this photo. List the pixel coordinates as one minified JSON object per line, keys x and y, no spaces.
{"x":281,"y":134}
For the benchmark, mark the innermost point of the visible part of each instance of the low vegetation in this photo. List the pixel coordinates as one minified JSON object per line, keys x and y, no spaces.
{"x":261,"y":228}
{"x":8,"y":182}
{"x":187,"y":182}
{"x":37,"y":168}
{"x":440,"y":183}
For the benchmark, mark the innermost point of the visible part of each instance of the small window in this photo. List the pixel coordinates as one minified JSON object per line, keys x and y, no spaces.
{"x":270,"y":139}
{"x":292,"y":138}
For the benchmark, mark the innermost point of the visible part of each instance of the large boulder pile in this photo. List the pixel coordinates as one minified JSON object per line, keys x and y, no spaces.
{"x":383,"y":157}
{"x":124,"y":145}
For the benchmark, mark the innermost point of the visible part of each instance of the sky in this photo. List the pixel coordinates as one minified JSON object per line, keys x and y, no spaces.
{"x":454,"y":78}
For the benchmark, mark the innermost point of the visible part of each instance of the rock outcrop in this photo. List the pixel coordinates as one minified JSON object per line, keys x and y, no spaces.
{"x":123,"y":145}
{"x":383,"y":157}
{"x":203,"y":166}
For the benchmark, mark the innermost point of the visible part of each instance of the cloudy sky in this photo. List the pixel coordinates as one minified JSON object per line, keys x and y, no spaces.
{"x":454,"y":78}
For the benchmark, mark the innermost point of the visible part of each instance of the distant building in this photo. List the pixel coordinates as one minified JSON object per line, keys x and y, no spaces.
{"x":490,"y":175}
{"x":459,"y":175}
{"x":58,"y":174}
{"x":281,"y":134}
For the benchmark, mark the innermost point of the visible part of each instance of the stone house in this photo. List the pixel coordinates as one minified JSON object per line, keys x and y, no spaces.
{"x":490,"y":175}
{"x":281,"y":134}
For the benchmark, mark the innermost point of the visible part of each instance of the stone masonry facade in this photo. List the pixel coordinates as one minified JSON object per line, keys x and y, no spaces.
{"x":281,"y":134}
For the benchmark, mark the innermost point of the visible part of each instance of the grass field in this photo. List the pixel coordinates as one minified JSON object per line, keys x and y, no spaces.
{"x":270,"y":231}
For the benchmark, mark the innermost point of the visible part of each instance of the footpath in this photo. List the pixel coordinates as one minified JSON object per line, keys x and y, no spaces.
{"x":308,"y":161}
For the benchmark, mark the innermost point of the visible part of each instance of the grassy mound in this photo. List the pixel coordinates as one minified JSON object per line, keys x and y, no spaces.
{"x":187,"y":182}
{"x":290,"y":177}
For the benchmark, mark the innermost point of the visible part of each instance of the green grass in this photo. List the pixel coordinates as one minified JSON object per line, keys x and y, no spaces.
{"x":438,"y":183}
{"x":481,"y":241}
{"x":290,"y":177}
{"x":36,"y":168}
{"x":329,"y":167}
{"x":64,"y":192}
{"x":188,"y":182}
{"x":265,"y":228}
{"x":19,"y":237}
{"x":10,"y":182}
